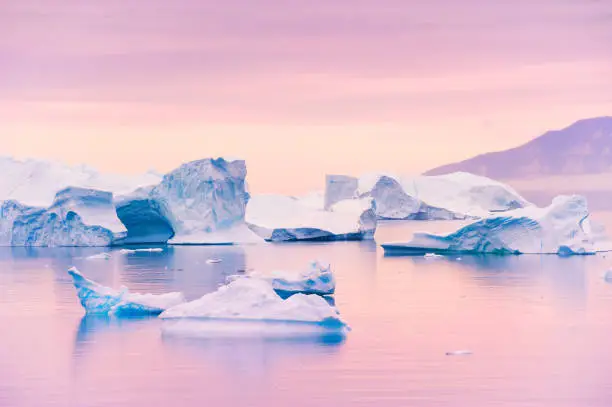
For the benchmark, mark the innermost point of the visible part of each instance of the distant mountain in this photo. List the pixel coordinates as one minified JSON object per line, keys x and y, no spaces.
{"x":585,"y":147}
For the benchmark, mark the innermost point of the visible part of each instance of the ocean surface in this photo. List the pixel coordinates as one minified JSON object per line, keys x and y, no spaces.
{"x":539,"y":329}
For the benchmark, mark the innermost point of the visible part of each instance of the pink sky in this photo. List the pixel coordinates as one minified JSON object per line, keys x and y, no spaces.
{"x":297,"y":88}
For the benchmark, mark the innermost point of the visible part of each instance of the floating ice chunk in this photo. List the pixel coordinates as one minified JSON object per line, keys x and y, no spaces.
{"x":284,"y":218}
{"x":432,"y":256}
{"x":562,"y":228}
{"x":99,"y":256}
{"x":201,"y":202}
{"x":316,"y":279}
{"x":242,"y":305}
{"x":459,"y":353}
{"x":98,"y":299}
{"x":608,"y":276}
{"x":151,"y":250}
{"x":213,"y":261}
{"x":458,"y":195}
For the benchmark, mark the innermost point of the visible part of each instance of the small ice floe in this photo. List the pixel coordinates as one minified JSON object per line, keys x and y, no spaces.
{"x":317,"y":278}
{"x":213,"y":261}
{"x":100,"y":300}
{"x":459,"y":353}
{"x":432,"y":256}
{"x":151,"y":250}
{"x":99,"y":256}
{"x":608,"y":276}
{"x":458,"y":258}
{"x":250,"y":306}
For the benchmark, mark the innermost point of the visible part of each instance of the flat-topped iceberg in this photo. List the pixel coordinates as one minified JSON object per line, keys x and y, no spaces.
{"x":249,"y":306}
{"x":101,"y":300}
{"x":280,"y":218}
{"x":562,"y":228}
{"x":452,"y":196}
{"x":201,"y":202}
{"x":316,"y":279}
{"x":77,"y":217}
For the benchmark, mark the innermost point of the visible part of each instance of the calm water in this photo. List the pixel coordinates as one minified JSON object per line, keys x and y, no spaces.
{"x":540,"y":328}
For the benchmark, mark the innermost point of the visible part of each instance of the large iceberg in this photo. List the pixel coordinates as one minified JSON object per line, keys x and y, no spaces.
{"x":201,"y":202}
{"x":249,"y":305}
{"x":316,"y":279}
{"x":453,"y":196}
{"x":36,"y":182}
{"x":562,"y":228}
{"x":77,"y":217}
{"x":279,"y":218}
{"x":101,"y":300}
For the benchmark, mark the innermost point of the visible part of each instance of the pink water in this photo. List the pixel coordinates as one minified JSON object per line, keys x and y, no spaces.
{"x":539,"y":329}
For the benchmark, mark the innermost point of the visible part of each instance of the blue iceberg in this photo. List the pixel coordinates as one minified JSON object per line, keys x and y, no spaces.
{"x":100,"y":300}
{"x":316,"y":279}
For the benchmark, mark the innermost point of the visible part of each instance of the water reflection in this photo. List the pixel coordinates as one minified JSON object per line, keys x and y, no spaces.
{"x":251,"y":355}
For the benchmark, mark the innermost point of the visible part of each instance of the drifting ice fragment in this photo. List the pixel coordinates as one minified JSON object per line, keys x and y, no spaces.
{"x":213,"y":261}
{"x":250,"y":306}
{"x":432,"y":256}
{"x":316,"y":279}
{"x":563,"y":228}
{"x":98,"y":299}
{"x":131,"y":251}
{"x":99,"y":256}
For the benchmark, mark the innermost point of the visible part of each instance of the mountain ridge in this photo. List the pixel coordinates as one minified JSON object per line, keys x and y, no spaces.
{"x":584,"y":147}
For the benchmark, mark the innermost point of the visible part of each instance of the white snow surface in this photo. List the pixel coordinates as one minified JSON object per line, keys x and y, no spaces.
{"x":35,"y":182}
{"x":317,"y":278}
{"x":99,"y":256}
{"x":150,"y":250}
{"x":452,"y":196}
{"x":562,"y":228}
{"x":255,"y":299}
{"x":237,"y":234}
{"x":270,"y":216}
{"x":98,"y":299}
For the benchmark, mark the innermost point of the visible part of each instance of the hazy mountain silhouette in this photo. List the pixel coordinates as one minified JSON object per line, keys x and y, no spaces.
{"x":585,"y":147}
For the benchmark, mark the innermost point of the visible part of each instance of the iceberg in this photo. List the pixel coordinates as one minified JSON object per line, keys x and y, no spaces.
{"x":77,"y":217}
{"x":562,"y":228}
{"x":132,"y":251}
{"x":316,"y":279}
{"x":99,"y":256}
{"x":278,"y":218}
{"x":36,"y":182}
{"x":101,"y":300}
{"x":201,"y":202}
{"x":458,"y":195}
{"x":249,"y":306}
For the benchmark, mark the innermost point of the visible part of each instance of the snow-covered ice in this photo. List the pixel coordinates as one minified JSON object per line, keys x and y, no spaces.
{"x":201,"y":202}
{"x":77,"y":217}
{"x":432,"y":256}
{"x":98,"y":299}
{"x":213,"y":261}
{"x":317,"y":278}
{"x":99,"y":256}
{"x":562,"y":228}
{"x":452,"y":196}
{"x":249,"y":306}
{"x":285,"y":218}
{"x":36,"y":182}
{"x":150,"y":250}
